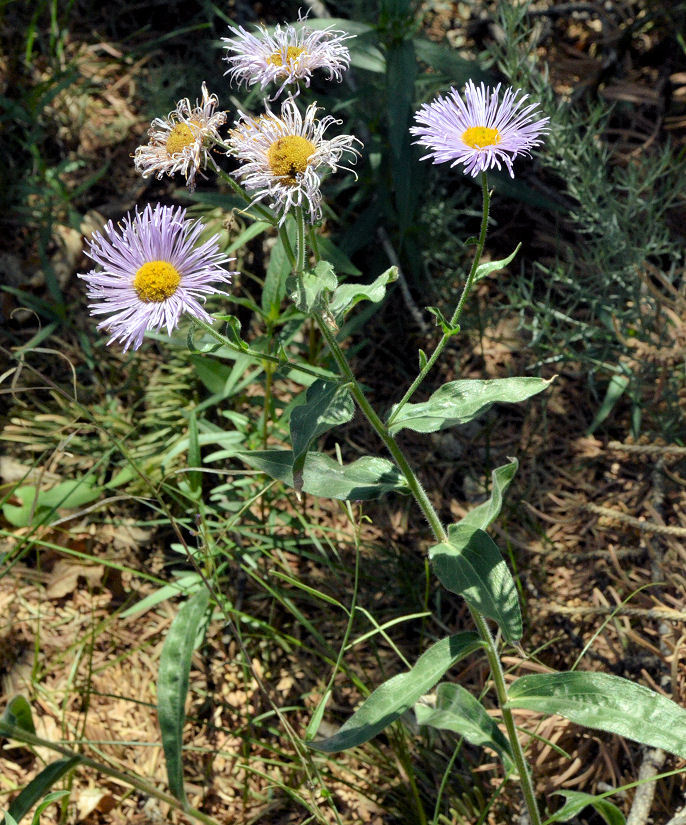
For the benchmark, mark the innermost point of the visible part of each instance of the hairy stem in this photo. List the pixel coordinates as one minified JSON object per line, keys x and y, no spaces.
{"x":441,"y":535}
{"x":469,"y":283}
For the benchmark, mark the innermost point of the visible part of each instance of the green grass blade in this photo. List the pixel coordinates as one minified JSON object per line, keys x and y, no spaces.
{"x":39,"y":786}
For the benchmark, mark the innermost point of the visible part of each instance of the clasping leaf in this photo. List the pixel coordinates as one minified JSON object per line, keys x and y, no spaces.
{"x":390,"y":700}
{"x":368,"y":477}
{"x":470,"y":564}
{"x":458,"y":711}
{"x":310,"y":292}
{"x":327,"y":404}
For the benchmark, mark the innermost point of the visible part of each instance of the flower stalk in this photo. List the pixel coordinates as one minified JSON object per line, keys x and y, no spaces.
{"x":469,"y":283}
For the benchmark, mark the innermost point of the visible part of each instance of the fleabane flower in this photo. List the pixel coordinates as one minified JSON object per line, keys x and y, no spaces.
{"x":480,"y":131}
{"x":153,"y":269}
{"x":181,"y":142}
{"x":286,"y":56}
{"x":284,"y":157}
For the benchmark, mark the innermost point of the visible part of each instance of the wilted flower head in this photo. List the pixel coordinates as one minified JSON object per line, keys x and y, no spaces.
{"x":283,"y":157}
{"x":153,"y":270}
{"x":181,"y":142}
{"x":286,"y":56}
{"x":479,"y":131}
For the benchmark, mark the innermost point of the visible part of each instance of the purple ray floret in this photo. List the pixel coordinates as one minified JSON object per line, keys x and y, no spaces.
{"x":479,"y":131}
{"x":152,"y":270}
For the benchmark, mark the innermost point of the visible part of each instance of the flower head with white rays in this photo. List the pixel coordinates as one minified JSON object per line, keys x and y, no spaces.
{"x":284,"y":157}
{"x":181,"y":142}
{"x":479,"y":131}
{"x":153,"y":269}
{"x":285,"y":56}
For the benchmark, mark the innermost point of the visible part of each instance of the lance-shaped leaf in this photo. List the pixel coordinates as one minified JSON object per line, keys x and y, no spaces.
{"x":327,"y":404}
{"x":347,"y":295}
{"x":368,"y":477}
{"x":390,"y":700}
{"x":172,"y":685}
{"x":458,"y":402}
{"x":605,"y":702}
{"x":484,"y":515}
{"x":310,"y":292}
{"x":493,"y":266}
{"x":457,"y":710}
{"x":576,"y":801}
{"x":470,"y":564}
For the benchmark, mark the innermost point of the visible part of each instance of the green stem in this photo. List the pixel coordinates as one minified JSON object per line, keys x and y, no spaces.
{"x":460,"y":306}
{"x":286,"y":242}
{"x":268,"y":372}
{"x":14,"y":732}
{"x":299,"y":241}
{"x":258,"y":356}
{"x":262,"y":212}
{"x":441,"y":535}
{"x":314,"y":244}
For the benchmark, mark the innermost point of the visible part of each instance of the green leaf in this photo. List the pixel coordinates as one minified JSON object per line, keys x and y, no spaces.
{"x":458,"y":402}
{"x":347,"y":295}
{"x":18,"y":714}
{"x":485,"y":514}
{"x":53,"y":796}
{"x":40,"y":785}
{"x":310,"y":292}
{"x":390,"y":700}
{"x":442,"y":321}
{"x":184,"y":585}
{"x":28,"y":512}
{"x":327,"y":404}
{"x":446,"y":60}
{"x":213,"y":374}
{"x":470,"y":564}
{"x":615,"y":390}
{"x":457,"y":710}
{"x":493,"y":266}
{"x":317,"y":716}
{"x":368,"y":477}
{"x":605,"y":702}
{"x":576,"y":801}
{"x":278,"y":270}
{"x":172,"y":685}
{"x":250,"y":232}
{"x":68,"y":495}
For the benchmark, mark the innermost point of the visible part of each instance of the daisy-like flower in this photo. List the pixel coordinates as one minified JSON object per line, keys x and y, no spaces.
{"x":479,"y":131}
{"x":286,"y":56}
{"x":283,"y":157}
{"x":181,"y":142}
{"x":152,"y":271}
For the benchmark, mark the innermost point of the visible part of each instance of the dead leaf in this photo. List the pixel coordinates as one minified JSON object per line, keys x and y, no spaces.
{"x":64,"y":577}
{"x":93,"y":799}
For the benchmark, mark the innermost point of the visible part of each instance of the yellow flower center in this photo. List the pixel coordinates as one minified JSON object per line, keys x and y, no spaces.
{"x":181,"y":136}
{"x":292,"y":54}
{"x":288,"y":156}
{"x":156,"y":281}
{"x":479,"y":136}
